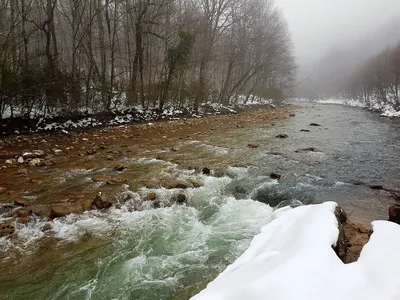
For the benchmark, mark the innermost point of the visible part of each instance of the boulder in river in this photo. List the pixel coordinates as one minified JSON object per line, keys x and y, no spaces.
{"x":64,"y":209}
{"x":100,"y":203}
{"x":309,"y":149}
{"x":274,"y":175}
{"x":315,"y":124}
{"x":119,"y":168}
{"x":394,"y":213}
{"x":282,"y":136}
{"x":251,"y":145}
{"x":176,"y":184}
{"x":179,"y":198}
{"x":36,"y":162}
{"x":33,"y":154}
{"x":206,"y":171}
{"x":6,"y":228}
{"x":151,"y":197}
{"x":305,"y":130}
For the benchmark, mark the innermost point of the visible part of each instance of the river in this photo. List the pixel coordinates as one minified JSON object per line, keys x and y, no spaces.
{"x":172,"y":252}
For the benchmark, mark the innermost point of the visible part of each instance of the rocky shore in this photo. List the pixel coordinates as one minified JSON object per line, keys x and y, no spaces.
{"x":29,"y":164}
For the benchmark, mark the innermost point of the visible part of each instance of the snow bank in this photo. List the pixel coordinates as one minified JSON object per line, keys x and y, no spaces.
{"x":387,"y":110}
{"x":292,"y":258}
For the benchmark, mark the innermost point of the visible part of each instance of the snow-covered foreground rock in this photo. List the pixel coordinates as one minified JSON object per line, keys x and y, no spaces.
{"x":292,"y":258}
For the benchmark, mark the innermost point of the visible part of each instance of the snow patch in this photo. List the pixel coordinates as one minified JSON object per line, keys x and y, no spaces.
{"x":292,"y":258}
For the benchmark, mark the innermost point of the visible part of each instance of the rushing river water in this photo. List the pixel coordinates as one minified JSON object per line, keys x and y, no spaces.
{"x":172,"y":252}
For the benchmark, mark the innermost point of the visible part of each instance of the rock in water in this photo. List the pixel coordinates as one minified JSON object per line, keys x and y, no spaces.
{"x":6,"y":228}
{"x":253,"y":146}
{"x":275,"y":176}
{"x":180,"y":198}
{"x":33,"y":154}
{"x":36,"y":162}
{"x":150,"y":197}
{"x":176,"y":184}
{"x":394,"y":213}
{"x":315,"y":124}
{"x":101,"y":203}
{"x":119,"y":168}
{"x":282,"y":136}
{"x":206,"y":171}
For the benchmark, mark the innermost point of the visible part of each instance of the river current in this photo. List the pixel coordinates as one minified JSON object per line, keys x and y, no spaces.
{"x":173,"y":251}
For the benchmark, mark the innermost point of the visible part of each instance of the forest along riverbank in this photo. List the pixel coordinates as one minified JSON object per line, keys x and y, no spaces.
{"x":186,"y":196}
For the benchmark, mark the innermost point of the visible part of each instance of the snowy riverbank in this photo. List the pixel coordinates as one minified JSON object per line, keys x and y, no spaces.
{"x":292,"y":258}
{"x":385,"y":110}
{"x":119,"y":115}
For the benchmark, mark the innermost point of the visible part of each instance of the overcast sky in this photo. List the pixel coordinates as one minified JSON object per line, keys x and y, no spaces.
{"x":318,"y":25}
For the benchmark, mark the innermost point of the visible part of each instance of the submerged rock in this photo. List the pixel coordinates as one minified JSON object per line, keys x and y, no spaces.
{"x":305,"y":130}
{"x":176,"y":184}
{"x":253,"y":146}
{"x":315,"y":124}
{"x":309,"y":149}
{"x":282,"y":136}
{"x":6,"y":228}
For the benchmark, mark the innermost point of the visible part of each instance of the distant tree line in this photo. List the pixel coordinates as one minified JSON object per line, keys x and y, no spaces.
{"x":377,"y":81}
{"x":73,"y":56}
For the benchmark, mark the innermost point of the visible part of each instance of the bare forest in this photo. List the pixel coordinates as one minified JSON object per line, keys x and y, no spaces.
{"x":378,"y":80}
{"x":88,"y":56}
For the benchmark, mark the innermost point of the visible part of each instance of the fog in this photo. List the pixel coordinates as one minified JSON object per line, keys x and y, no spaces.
{"x":319,"y":25}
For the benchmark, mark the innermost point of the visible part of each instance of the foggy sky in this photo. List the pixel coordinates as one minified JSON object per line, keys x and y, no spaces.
{"x":318,"y":25}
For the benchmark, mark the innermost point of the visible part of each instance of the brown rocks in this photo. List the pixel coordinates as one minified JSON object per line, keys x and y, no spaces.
{"x":99,"y":179}
{"x":292,"y":115}
{"x":151,"y":197}
{"x":21,"y":202}
{"x":33,"y":154}
{"x":64,"y":209}
{"x":100,"y":203}
{"x":36,"y":162}
{"x":46,"y":227}
{"x":22,"y":172}
{"x":206,"y":171}
{"x":6,"y":228}
{"x":119,"y":168}
{"x":176,"y":184}
{"x":24,"y":220}
{"x":22,"y":212}
{"x":274,"y":175}
{"x":352,"y":238}
{"x":179,"y":198}
{"x":394,"y":213}
{"x":116,"y":180}
{"x":253,"y":146}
